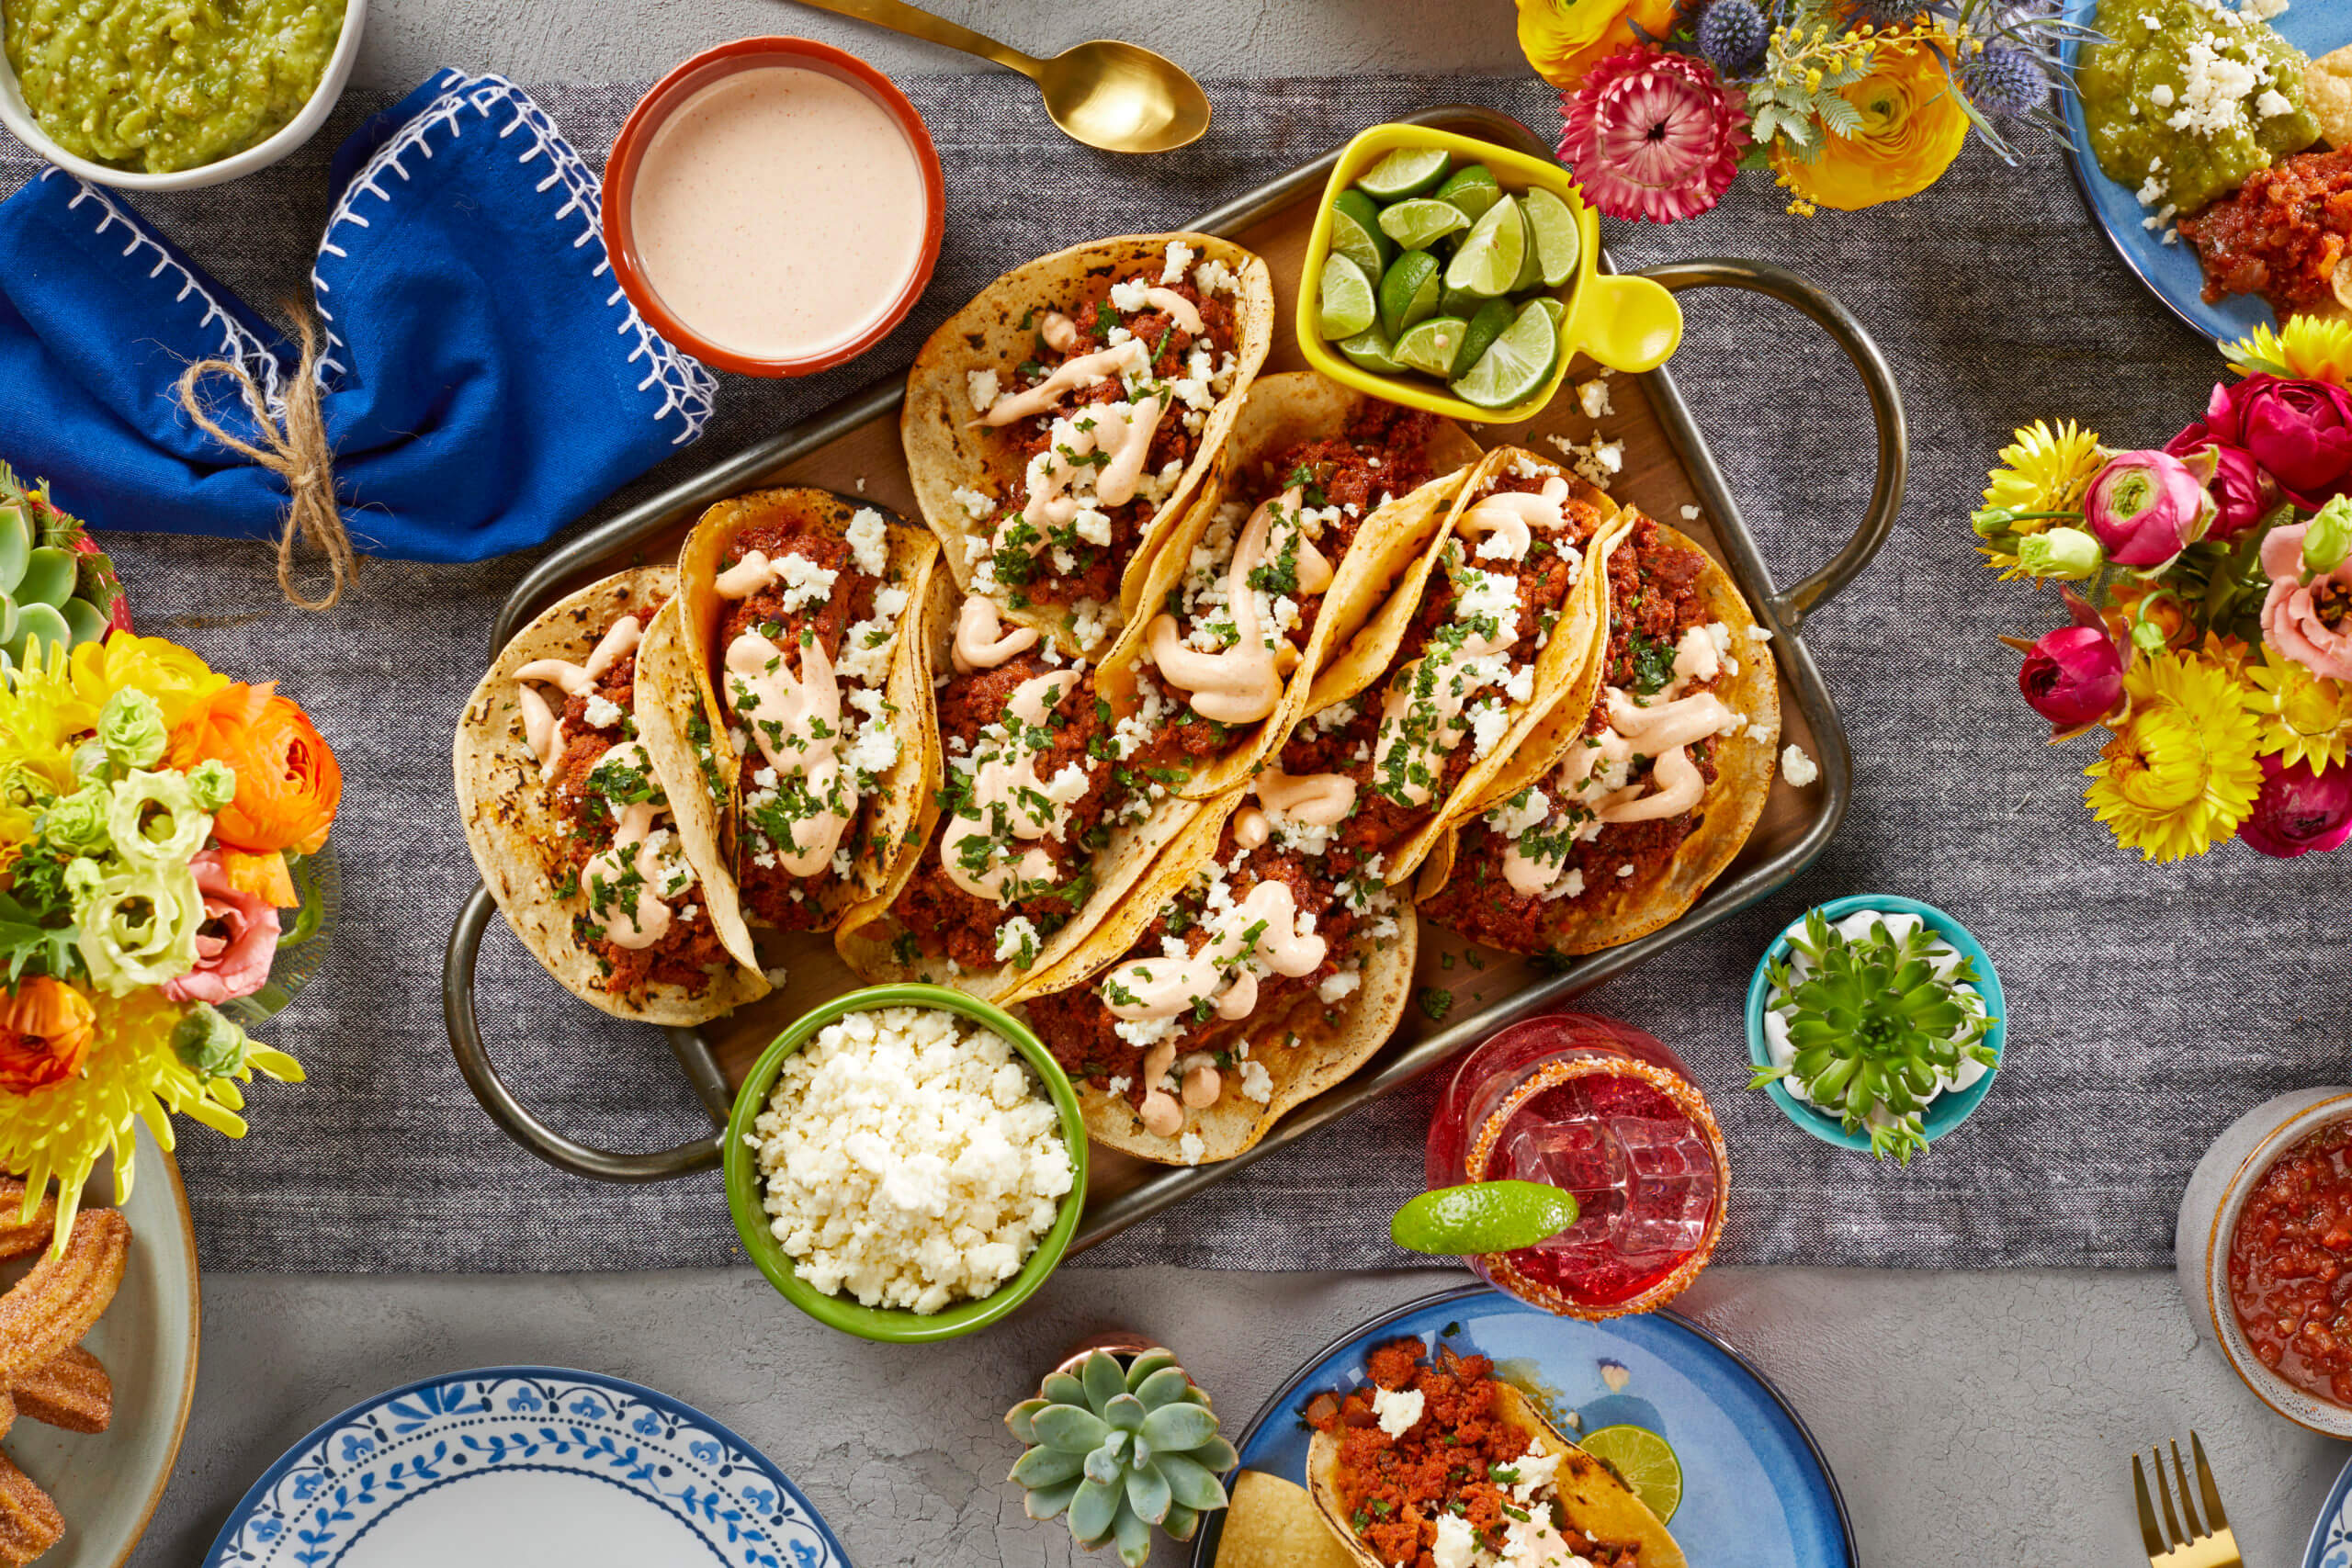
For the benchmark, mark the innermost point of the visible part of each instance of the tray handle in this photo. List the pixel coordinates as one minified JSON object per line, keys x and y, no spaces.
{"x":517,"y":1119}
{"x":1791,"y":605}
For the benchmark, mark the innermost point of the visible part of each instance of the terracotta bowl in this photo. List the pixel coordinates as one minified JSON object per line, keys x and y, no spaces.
{"x":668,"y":93}
{"x":2217,"y":1193}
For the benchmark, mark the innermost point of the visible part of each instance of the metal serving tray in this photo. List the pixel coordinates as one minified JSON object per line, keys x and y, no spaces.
{"x":1668,"y":465}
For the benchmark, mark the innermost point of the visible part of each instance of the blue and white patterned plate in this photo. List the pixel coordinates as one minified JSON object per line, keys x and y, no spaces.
{"x":2171,"y":272}
{"x":524,"y":1467}
{"x":1755,"y":1490}
{"x":2330,"y":1545}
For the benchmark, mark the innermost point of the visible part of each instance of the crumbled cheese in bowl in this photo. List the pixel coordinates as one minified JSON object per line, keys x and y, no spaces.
{"x":910,"y":1158}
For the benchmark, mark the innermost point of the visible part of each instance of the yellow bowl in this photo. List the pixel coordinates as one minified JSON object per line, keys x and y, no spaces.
{"x":1627,"y":323}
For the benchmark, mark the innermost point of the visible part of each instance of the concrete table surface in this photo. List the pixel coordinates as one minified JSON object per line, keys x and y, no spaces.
{"x":1972,"y":1419}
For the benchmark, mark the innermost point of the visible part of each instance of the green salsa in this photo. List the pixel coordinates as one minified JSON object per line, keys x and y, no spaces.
{"x":2181,"y":130}
{"x":154,"y":86}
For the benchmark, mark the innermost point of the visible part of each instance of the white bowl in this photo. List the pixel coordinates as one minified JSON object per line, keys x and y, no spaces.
{"x":2217,"y":1192}
{"x":19,"y":117}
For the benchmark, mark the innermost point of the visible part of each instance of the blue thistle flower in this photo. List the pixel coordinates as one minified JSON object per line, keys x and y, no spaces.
{"x":2005,"y":81}
{"x":1732,"y":34}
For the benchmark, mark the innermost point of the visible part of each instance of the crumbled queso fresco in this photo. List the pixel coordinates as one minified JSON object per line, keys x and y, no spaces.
{"x":912,"y":1159}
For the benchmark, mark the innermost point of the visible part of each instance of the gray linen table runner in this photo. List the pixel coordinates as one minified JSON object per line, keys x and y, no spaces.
{"x":2149,"y":1006}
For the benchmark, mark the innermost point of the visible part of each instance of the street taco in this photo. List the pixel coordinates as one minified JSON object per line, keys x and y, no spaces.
{"x":1048,"y":806}
{"x":1619,"y":812}
{"x":1482,"y":635}
{"x":798,"y":699}
{"x":1256,"y":966}
{"x":567,"y":808}
{"x":1438,"y":1460}
{"x":1056,"y":425}
{"x":1318,"y":493}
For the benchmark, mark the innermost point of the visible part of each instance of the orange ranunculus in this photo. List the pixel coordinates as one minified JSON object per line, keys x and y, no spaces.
{"x":1912,"y":126}
{"x":288,"y":782}
{"x":264,"y":876}
{"x":1564,"y":39}
{"x":45,"y":1030}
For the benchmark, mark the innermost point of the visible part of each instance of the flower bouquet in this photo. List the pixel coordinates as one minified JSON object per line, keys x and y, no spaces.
{"x":2211,"y":637}
{"x":1849,"y":102}
{"x":150,"y":811}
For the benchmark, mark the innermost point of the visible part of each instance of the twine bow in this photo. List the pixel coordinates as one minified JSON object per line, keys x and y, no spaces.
{"x":297,"y":453}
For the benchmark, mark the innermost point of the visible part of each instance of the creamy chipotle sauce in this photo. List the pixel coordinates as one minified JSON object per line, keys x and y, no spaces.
{"x":778,"y":211}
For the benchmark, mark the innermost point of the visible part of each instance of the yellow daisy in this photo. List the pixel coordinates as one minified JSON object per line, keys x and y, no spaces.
{"x":2181,"y":773}
{"x":2044,"y":470}
{"x":2309,"y":348}
{"x":2305,"y":718}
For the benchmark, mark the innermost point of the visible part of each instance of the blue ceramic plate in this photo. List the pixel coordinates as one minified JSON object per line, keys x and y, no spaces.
{"x":2316,"y":26}
{"x":516,"y":1467}
{"x":1946,"y":1111}
{"x":2330,"y":1544}
{"x":1755,"y":1490}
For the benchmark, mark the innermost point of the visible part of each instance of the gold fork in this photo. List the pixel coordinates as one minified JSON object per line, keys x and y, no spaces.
{"x":2209,"y":1545}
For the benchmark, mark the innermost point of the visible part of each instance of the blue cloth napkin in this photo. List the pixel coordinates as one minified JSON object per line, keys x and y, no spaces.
{"x":485,"y":380}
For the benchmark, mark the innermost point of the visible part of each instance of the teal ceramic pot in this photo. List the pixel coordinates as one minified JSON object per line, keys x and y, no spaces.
{"x":896,"y":1325}
{"x":1947,"y":1111}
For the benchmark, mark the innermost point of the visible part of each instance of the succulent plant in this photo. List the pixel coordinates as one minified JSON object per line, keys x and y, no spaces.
{"x":55,"y":584}
{"x":1120,"y":1449}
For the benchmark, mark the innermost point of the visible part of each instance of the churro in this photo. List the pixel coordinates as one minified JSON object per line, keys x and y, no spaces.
{"x":73,"y":1392}
{"x":46,"y":1313}
{"x":23,"y":1239}
{"x":29,"y":1522}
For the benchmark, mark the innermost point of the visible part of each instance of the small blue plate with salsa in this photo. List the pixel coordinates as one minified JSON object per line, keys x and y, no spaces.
{"x":1755,"y":1490}
{"x":2316,"y":26}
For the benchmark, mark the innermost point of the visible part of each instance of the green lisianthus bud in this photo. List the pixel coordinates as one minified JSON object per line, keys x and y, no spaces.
{"x":209,"y":1042}
{"x":90,"y":761}
{"x":77,"y":822}
{"x":22,"y":785}
{"x":132,"y":729}
{"x":2068,"y":553}
{"x":2329,"y":538}
{"x":1993,"y":522}
{"x":212,"y":784}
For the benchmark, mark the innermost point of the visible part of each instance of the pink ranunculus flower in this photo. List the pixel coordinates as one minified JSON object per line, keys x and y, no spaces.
{"x":2243,"y":493}
{"x":2147,"y":507}
{"x":2300,"y":432}
{"x":2074,"y":676}
{"x":2307,"y":616}
{"x":2301,"y":808}
{"x":236,"y":944}
{"x":1653,"y":134}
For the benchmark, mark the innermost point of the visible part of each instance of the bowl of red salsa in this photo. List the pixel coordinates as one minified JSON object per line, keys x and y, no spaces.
{"x":2264,"y":1250}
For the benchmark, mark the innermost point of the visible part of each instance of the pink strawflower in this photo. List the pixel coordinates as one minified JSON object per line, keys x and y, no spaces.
{"x":1653,"y":134}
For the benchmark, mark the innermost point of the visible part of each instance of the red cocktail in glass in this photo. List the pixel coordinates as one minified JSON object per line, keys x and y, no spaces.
{"x":1603,"y":1111}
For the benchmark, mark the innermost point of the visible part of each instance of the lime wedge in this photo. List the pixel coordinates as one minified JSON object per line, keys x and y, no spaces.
{"x":1472,"y":190}
{"x":1460,"y":302}
{"x":1552,"y":306}
{"x":1486,"y":324}
{"x":1644,"y":1462}
{"x":1557,"y":239}
{"x":1420,"y":221}
{"x":1531,"y":264}
{"x":1371,"y":350}
{"x":1408,"y":292}
{"x":1408,"y":171}
{"x":1515,"y":364}
{"x":1433,"y":345}
{"x":1485,"y":1216}
{"x":1346,"y":304}
{"x":1492,"y":252}
{"x":1355,"y":232}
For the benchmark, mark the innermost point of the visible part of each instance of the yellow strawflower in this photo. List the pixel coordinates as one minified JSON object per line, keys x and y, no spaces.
{"x":2044,"y":470}
{"x":2310,"y":349}
{"x":2181,"y":773}
{"x":1912,"y":126}
{"x":2303,"y":718}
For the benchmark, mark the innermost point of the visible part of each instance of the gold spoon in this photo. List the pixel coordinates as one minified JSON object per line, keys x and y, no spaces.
{"x":1114,"y":96}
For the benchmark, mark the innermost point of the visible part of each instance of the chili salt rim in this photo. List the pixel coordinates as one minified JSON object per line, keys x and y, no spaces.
{"x":1687,"y":1100}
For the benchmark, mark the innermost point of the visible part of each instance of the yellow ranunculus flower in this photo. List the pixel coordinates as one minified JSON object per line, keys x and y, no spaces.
{"x":1564,"y":39}
{"x":1913,"y":127}
{"x":171,"y":674}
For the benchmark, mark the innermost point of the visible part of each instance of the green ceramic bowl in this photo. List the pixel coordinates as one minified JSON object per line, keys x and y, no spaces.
{"x":896,"y":1325}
